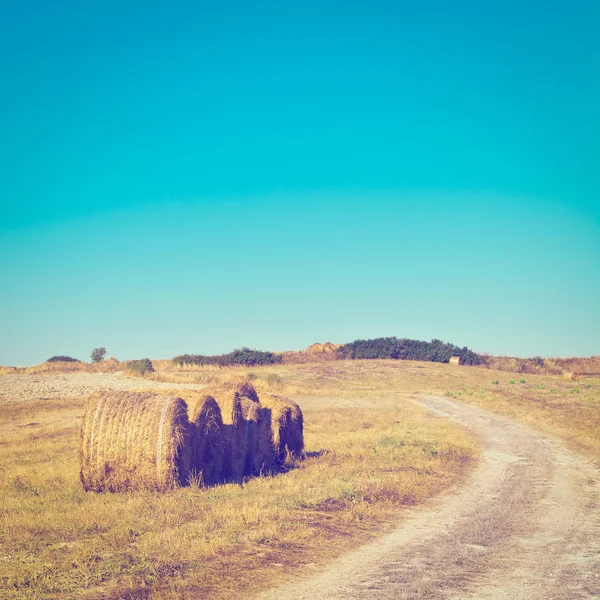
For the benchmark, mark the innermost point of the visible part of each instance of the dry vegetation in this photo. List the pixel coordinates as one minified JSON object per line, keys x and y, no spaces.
{"x":370,"y":452}
{"x":366,"y":460}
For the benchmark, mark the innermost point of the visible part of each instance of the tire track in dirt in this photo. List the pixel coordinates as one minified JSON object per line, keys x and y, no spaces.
{"x":525,"y":526}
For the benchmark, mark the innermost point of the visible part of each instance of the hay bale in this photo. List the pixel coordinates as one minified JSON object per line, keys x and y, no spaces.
{"x":455,"y":360}
{"x":234,"y":441}
{"x":252,"y":415}
{"x":287,"y":426}
{"x":242,"y":388}
{"x":571,"y":376}
{"x":207,"y":438}
{"x":315,"y":348}
{"x":329,"y":347}
{"x":134,"y":441}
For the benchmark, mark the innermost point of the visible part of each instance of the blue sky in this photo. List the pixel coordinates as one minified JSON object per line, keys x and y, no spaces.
{"x":194,"y":178}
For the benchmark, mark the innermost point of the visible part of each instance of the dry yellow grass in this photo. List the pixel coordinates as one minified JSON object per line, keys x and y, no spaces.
{"x":363,"y":465}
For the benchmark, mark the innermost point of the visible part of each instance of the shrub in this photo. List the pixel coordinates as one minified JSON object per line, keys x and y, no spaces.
{"x":405,"y":349}
{"x":242,"y":356}
{"x":141,"y":367}
{"x":61,"y":358}
{"x":98,"y":354}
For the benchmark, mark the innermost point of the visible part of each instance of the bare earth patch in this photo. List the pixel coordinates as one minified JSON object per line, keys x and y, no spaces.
{"x":526,"y":526}
{"x":17,"y":387}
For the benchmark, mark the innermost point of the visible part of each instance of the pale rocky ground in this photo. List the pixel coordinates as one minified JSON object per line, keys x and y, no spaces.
{"x":17,"y":387}
{"x":526,"y":526}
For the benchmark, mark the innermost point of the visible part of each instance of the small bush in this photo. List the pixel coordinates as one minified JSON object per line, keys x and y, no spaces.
{"x":61,"y":358}
{"x":274,"y":379}
{"x":98,"y":354}
{"x":141,"y":367}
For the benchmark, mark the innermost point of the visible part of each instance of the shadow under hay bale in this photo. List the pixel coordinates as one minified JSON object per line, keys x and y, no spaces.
{"x":287,"y":426}
{"x":207,"y":439}
{"x":131,"y":441}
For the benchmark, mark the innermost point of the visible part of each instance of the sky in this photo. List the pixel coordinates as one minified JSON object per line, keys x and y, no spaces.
{"x":196,"y":177}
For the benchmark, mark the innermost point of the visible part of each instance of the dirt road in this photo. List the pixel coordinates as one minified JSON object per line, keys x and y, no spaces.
{"x":525,"y":526}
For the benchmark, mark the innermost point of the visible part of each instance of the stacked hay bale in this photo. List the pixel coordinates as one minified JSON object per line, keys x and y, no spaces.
{"x":146,"y":441}
{"x":234,"y":441}
{"x":286,"y":424}
{"x":252,"y":415}
{"x":207,"y":439}
{"x":134,"y":441}
{"x":315,"y":348}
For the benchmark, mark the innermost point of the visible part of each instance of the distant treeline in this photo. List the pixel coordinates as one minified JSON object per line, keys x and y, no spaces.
{"x":61,"y":358}
{"x":392,"y":347}
{"x":243,"y":356}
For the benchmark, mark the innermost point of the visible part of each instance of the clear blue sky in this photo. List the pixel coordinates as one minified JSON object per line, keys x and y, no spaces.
{"x":193,"y":177}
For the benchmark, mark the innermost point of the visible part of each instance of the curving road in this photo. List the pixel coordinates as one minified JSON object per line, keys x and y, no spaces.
{"x":525,"y":526}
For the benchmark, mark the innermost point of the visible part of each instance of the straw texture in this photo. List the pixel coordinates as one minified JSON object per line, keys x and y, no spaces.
{"x":134,"y":441}
{"x":234,"y":441}
{"x":286,"y":424}
{"x":207,"y":439}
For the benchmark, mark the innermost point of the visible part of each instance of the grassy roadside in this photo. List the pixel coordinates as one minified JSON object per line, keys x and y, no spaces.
{"x":569,"y":410}
{"x":367,"y":459}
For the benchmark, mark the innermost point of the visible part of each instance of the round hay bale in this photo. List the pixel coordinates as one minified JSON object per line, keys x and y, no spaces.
{"x":572,"y":376}
{"x":315,"y":348}
{"x":242,"y":388}
{"x":252,"y":415}
{"x":207,"y":439}
{"x":455,"y":360}
{"x":131,"y":441}
{"x":234,"y":440}
{"x":286,"y":424}
{"x":329,"y":347}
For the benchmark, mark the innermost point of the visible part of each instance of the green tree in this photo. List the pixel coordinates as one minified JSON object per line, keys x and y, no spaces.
{"x":98,"y":354}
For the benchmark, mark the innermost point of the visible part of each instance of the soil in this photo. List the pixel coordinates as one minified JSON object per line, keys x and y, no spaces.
{"x":525,"y":526}
{"x":19,"y":387}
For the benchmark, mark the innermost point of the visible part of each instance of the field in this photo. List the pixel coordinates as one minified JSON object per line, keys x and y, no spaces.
{"x":371,"y":453}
